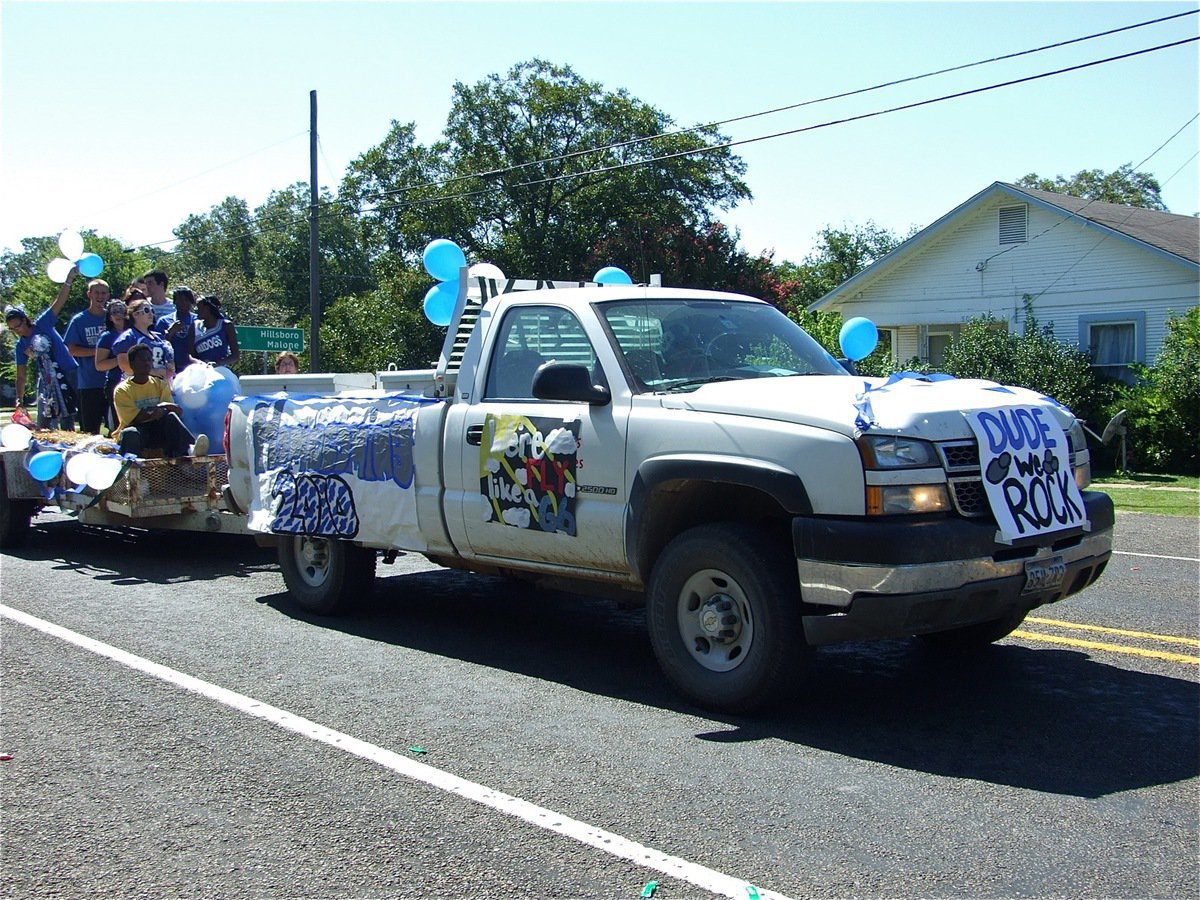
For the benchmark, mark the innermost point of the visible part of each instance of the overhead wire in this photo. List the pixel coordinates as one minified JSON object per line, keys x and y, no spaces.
{"x":326,"y":205}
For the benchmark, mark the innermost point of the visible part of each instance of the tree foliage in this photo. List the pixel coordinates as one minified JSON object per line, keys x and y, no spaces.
{"x":538,"y":168}
{"x":1123,"y":186}
{"x":840,"y":254}
{"x":1163,"y":404}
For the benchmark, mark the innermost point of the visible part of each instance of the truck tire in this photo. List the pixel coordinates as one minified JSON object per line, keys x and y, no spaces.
{"x":975,"y":635}
{"x":15,"y":516}
{"x":723,"y":610}
{"x":325,"y":577}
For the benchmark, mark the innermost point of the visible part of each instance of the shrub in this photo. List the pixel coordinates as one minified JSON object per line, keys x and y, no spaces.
{"x":1036,"y":360}
{"x":1163,"y":403}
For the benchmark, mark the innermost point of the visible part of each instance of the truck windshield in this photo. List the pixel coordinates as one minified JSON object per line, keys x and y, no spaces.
{"x":681,"y":344}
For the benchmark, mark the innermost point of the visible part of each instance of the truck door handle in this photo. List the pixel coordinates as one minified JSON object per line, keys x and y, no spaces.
{"x":475,"y":435}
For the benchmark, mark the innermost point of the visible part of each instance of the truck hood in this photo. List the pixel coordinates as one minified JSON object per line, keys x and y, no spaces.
{"x":906,"y":404}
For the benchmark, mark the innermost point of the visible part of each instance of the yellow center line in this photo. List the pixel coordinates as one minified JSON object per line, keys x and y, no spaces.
{"x":1111,"y":648}
{"x":1079,"y":626}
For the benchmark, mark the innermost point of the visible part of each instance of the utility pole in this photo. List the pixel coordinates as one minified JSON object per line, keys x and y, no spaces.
{"x":314,"y":243}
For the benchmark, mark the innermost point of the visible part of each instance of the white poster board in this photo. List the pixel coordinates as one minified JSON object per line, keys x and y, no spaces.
{"x":1026,"y":464}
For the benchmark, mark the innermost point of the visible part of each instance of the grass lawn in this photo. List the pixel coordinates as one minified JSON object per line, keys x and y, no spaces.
{"x":1165,"y":495}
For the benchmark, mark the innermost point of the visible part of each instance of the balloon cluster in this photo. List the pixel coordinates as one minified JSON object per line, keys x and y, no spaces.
{"x":858,"y":338}
{"x":71,"y":244}
{"x":444,"y":260}
{"x":204,"y":393}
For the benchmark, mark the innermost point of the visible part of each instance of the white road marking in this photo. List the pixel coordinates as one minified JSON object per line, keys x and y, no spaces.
{"x":1155,"y":556}
{"x":639,"y":854}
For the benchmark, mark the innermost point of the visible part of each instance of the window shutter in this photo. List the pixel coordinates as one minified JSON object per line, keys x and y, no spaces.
{"x":1013,"y":222}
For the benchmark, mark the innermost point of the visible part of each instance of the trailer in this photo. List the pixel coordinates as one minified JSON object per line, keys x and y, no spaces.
{"x":188,"y":494}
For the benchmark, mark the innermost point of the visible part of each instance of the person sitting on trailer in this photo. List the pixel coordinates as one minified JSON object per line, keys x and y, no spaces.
{"x":148,"y":415}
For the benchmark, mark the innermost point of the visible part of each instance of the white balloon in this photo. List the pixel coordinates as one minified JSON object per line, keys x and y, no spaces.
{"x":59,"y":269}
{"x":15,"y":437}
{"x":486,"y":270}
{"x":103,"y":472}
{"x":71,"y":244}
{"x":79,"y":466}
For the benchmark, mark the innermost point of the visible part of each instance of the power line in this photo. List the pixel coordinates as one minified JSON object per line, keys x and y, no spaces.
{"x":604,"y":170}
{"x":799,"y":105}
{"x":725,"y":146}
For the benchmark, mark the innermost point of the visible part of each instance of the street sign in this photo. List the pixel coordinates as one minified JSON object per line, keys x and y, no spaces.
{"x":274,"y":340}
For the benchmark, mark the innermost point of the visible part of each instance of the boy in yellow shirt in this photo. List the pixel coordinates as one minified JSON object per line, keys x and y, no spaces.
{"x":148,"y":414}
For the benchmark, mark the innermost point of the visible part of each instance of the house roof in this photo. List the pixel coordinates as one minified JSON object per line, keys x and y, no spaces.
{"x":1179,"y":235}
{"x":1168,"y":234}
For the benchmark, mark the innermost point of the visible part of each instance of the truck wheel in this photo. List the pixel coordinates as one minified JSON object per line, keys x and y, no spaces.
{"x":15,"y":516}
{"x":324,"y":576}
{"x":975,"y":635}
{"x":723,"y":610}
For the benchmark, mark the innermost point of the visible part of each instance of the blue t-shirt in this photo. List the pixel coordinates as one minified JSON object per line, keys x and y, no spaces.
{"x":212,"y":345}
{"x":161,"y":354}
{"x":44,"y":325}
{"x":113,"y":376}
{"x":179,"y":343}
{"x":84,"y":330}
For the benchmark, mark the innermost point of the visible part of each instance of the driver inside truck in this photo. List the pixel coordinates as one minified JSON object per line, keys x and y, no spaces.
{"x":148,"y":415}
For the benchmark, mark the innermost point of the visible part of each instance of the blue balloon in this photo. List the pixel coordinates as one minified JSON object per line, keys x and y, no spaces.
{"x":443,"y":259}
{"x":858,"y":338}
{"x":612,"y":275}
{"x":90,"y":265}
{"x":439,"y":302}
{"x":45,"y":465}
{"x":204,"y":396}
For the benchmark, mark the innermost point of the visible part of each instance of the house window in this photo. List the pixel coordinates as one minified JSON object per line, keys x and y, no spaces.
{"x":1014,"y":222}
{"x":939,"y":342}
{"x":1115,"y":342}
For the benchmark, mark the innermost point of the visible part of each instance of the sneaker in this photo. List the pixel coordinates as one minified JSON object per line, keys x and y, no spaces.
{"x":200,"y":448}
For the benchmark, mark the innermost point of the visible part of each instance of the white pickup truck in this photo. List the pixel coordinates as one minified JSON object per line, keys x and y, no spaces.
{"x":693,"y":451}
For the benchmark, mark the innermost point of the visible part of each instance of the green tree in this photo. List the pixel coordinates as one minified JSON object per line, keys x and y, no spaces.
{"x":281,"y":250}
{"x":840,"y":254}
{"x":522,"y":185}
{"x":1123,"y":186}
{"x":382,"y":327}
{"x":222,"y":238}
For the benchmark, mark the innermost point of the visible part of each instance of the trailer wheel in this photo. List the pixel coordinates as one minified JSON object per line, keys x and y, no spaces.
{"x":325,"y":577}
{"x":969,"y":636}
{"x":15,"y":516}
{"x":723,"y":609}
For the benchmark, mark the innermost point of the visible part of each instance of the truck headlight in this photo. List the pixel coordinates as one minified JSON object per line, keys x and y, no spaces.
{"x":889,"y":451}
{"x":906,"y":499}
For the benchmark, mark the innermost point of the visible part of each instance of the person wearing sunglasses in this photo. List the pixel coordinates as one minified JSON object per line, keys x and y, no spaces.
{"x":141,"y":324}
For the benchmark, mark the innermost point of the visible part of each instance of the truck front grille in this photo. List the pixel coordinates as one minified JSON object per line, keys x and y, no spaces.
{"x":961,"y":462}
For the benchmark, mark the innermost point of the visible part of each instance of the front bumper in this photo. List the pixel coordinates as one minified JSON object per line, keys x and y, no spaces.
{"x":893,"y":578}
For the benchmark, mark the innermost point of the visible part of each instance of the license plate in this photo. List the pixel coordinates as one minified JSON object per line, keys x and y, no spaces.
{"x":1044,"y":574}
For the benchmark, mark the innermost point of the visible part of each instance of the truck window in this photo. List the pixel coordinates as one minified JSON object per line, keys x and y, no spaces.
{"x":528,"y":337}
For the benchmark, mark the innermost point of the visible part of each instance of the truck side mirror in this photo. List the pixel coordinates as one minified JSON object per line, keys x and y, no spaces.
{"x":569,"y":381}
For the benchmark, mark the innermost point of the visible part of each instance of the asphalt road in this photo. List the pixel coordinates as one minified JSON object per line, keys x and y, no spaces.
{"x":1046,"y":766}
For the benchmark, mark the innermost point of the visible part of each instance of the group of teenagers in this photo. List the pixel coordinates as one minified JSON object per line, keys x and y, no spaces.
{"x":115,"y":363}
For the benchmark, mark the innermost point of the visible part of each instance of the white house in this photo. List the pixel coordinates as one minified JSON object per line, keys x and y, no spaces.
{"x":1105,"y":276}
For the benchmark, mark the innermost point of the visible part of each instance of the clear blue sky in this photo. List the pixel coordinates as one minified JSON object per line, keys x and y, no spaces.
{"x":128,"y":117}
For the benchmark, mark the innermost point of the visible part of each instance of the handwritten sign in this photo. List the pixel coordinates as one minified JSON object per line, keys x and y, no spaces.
{"x":527,"y":472}
{"x":1027,"y":471}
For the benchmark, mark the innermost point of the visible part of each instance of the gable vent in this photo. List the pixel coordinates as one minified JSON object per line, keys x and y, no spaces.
{"x":1013,"y":221}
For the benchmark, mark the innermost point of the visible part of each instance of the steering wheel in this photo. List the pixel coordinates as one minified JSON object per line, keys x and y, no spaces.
{"x":725,"y":349}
